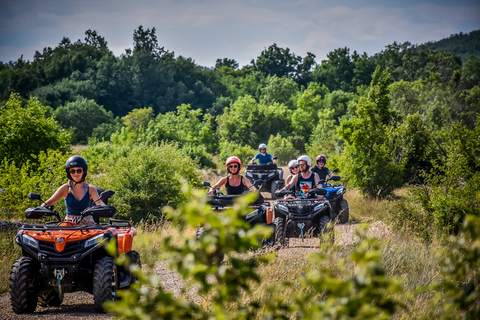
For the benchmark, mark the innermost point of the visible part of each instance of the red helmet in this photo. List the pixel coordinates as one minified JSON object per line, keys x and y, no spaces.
{"x":233,"y":160}
{"x":322,"y":158}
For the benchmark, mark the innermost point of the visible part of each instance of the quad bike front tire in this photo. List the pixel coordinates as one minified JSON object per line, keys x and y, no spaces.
{"x":105,"y":282}
{"x":50,"y":299}
{"x":322,"y":224}
{"x":280,"y":231}
{"x":273,"y":189}
{"x":22,"y":297}
{"x":344,"y":212}
{"x":134,"y":258}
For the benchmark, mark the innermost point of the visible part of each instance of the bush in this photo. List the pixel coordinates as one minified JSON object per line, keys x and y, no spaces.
{"x":44,"y":176}
{"x":26,"y":131}
{"x":228,"y":149}
{"x":282,"y":148}
{"x":146,"y":178}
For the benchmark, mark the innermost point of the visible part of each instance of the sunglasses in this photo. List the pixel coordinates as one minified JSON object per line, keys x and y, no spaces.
{"x":320,"y":161}
{"x":302,"y":165}
{"x":72,"y":171}
{"x":296,"y":167}
{"x":263,"y":149}
{"x":232,"y":166}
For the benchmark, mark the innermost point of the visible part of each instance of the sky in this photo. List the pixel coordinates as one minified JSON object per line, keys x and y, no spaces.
{"x":207,"y":30}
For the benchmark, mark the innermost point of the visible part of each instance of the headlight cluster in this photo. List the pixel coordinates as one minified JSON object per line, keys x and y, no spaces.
{"x":28,"y":240}
{"x":319,"y":206}
{"x":282,"y":207}
{"x":271,"y":174}
{"x":248,"y":174}
{"x":340,"y":191}
{"x":94,"y":240}
{"x":252,"y":214}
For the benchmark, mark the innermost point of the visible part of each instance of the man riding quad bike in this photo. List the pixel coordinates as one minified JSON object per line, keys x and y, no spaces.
{"x":301,"y":216}
{"x":271,"y":175}
{"x":334,"y":195}
{"x":65,"y":256}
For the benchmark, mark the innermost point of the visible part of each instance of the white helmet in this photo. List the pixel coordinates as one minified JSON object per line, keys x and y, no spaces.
{"x":263,"y":145}
{"x":306,"y":159}
{"x":292,"y":163}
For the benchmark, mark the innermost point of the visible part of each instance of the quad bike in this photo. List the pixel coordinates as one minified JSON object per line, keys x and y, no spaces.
{"x":61,"y":256}
{"x":261,"y":214}
{"x":302,"y":216}
{"x":335,"y":197}
{"x":271,"y":175}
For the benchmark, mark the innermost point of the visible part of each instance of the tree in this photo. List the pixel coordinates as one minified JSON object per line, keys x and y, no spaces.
{"x":368,"y":155}
{"x":82,"y":116}
{"x":25,"y":132}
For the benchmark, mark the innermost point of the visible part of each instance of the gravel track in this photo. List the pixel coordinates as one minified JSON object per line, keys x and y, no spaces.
{"x":79,"y":305}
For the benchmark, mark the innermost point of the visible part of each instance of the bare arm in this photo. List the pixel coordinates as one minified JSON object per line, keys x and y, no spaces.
{"x":94,"y":195}
{"x":220,"y":183}
{"x":317,"y":180}
{"x":61,"y":192}
{"x":292,"y":183}
{"x":248,"y":184}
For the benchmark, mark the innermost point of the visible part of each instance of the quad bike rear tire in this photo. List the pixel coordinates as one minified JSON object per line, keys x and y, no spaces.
{"x":50,"y":299}
{"x":22,"y":296}
{"x":105,"y":282}
{"x":280,"y":231}
{"x":344,"y":212}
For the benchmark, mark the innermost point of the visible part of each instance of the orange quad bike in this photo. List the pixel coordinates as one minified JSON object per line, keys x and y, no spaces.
{"x":59,"y":257}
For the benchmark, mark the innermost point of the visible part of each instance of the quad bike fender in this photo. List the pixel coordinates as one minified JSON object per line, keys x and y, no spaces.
{"x":125,"y":239}
{"x":269,"y":215}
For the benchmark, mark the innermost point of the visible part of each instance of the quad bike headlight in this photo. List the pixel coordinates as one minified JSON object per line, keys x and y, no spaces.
{"x":31,"y":241}
{"x":271,"y":174}
{"x":248,"y":174}
{"x":94,"y":240}
{"x":340,"y":191}
{"x":319,"y":206}
{"x":282,"y":207}
{"x":252,"y":214}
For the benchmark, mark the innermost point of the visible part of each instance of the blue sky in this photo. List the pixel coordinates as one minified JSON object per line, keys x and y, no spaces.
{"x":206,"y":30}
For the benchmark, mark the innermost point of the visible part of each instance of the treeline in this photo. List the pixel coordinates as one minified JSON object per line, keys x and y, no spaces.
{"x":405,"y":116}
{"x":461,"y":44}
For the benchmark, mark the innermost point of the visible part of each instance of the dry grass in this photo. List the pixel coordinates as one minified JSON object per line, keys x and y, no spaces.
{"x":8,"y":253}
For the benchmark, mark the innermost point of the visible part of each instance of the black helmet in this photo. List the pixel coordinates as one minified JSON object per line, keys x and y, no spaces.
{"x":76,"y":161}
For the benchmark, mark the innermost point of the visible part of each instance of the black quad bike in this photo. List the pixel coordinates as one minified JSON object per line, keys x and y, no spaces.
{"x":334,"y":195}
{"x":301,"y":217}
{"x":259,"y":215}
{"x":62,"y":256}
{"x":271,"y":175}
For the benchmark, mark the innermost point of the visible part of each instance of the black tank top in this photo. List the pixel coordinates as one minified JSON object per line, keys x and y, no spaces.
{"x":232,"y":190}
{"x":305,"y":184}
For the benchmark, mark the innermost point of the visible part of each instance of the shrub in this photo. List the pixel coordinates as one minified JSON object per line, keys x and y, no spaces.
{"x":146,"y":178}
{"x":44,"y":176}
{"x":26,"y":131}
{"x":282,"y":148}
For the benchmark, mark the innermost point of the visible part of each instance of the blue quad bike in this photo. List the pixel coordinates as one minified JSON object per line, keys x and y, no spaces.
{"x":270,"y":174}
{"x":301,"y":217}
{"x":340,"y":210}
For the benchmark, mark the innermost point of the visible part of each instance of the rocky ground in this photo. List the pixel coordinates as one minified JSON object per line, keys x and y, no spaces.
{"x":79,"y":305}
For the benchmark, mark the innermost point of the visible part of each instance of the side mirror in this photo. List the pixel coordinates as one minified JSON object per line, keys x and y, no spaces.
{"x":249,"y":158}
{"x":107,"y":194}
{"x":206,"y":184}
{"x":34,"y":196}
{"x":275,"y":158}
{"x":335,"y":170}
